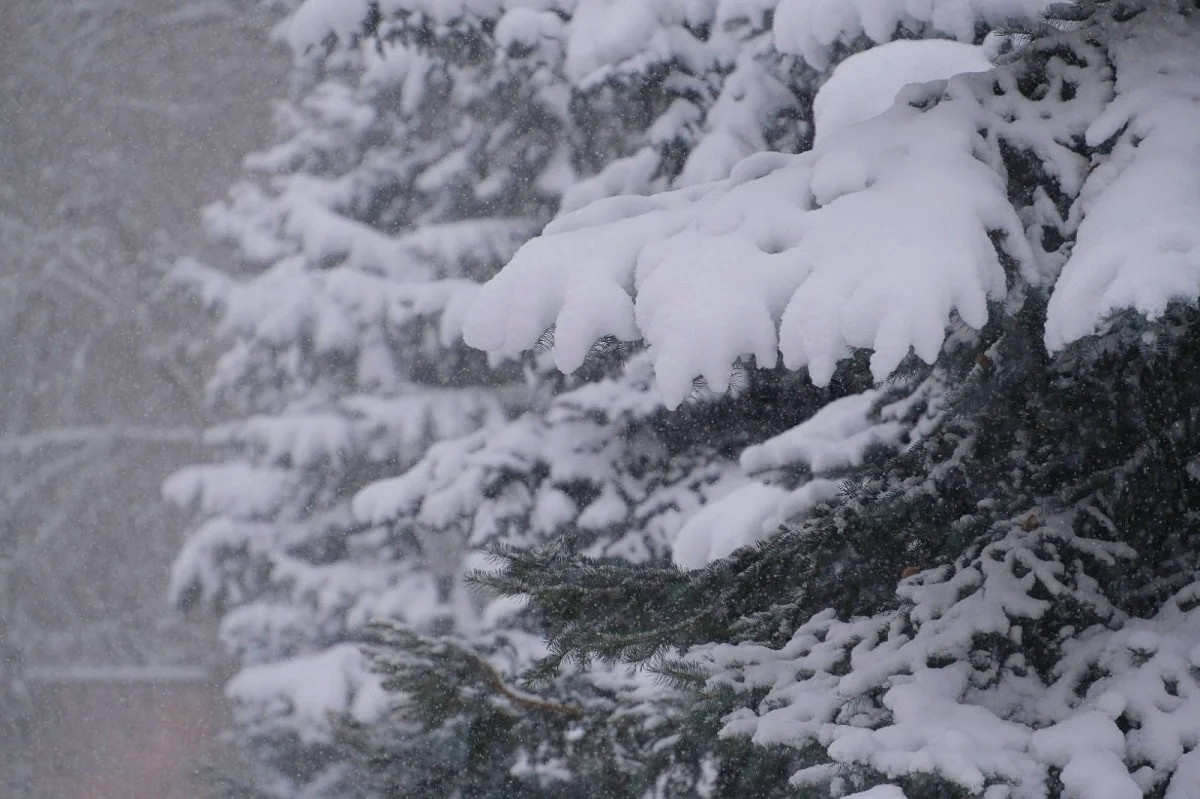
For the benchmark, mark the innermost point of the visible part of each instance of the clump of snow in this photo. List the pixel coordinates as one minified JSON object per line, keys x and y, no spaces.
{"x":528,"y":27}
{"x":629,"y":175}
{"x":879,"y":792}
{"x":1089,"y":748}
{"x":1143,"y":642}
{"x":1138,"y":245}
{"x":871,"y":241}
{"x":932,"y":730}
{"x":812,"y":28}
{"x":316,"y":19}
{"x":607,"y":510}
{"x":730,"y":522}
{"x":866,"y":84}
{"x":606,"y":32}
{"x":1186,"y":782}
{"x":751,"y":513}
{"x":836,"y":436}
{"x":336,"y":682}
{"x":212,"y":488}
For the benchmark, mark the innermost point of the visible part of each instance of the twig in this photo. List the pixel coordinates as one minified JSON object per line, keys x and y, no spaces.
{"x":523,"y":700}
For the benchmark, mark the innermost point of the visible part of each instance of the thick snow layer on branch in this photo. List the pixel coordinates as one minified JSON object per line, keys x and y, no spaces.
{"x":879,"y":792}
{"x":811,"y":28}
{"x":316,"y":19}
{"x":1138,"y":244}
{"x":312,"y":689}
{"x":221,"y":488}
{"x":1089,"y":748}
{"x":728,"y":523}
{"x":872,"y":240}
{"x":866,"y":84}
{"x":837,"y":436}
{"x":608,"y":31}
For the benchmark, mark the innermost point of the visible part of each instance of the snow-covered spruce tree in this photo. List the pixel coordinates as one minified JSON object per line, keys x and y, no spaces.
{"x":425,"y":141}
{"x":604,"y":467}
{"x":997,"y":600}
{"x":610,"y":470}
{"x":368,"y":222}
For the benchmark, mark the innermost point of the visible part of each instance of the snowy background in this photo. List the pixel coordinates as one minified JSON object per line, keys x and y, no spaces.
{"x":658,"y":397}
{"x":117,"y":121}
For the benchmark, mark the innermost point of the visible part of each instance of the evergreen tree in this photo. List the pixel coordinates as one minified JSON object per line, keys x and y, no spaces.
{"x":996,"y":600}
{"x":369,"y":225}
{"x":610,"y":470}
{"x":423,"y":144}
{"x":872,"y":463}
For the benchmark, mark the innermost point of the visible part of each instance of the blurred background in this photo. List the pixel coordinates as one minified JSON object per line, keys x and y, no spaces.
{"x":119,"y":119}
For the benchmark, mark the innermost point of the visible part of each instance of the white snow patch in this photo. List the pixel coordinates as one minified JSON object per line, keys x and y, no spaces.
{"x":870,"y":241}
{"x":315,"y":19}
{"x":836,"y":436}
{"x":311,"y":688}
{"x":866,"y":84}
{"x":879,"y":792}
{"x":1138,"y":245}
{"x":736,"y":520}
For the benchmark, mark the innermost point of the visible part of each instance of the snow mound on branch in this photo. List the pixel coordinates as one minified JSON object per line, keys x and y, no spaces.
{"x":528,"y":27}
{"x":812,"y":28}
{"x":866,"y":84}
{"x":213,"y":488}
{"x":1138,"y":244}
{"x":872,"y":240}
{"x":733,"y":521}
{"x":605,"y":32}
{"x":836,"y":436}
{"x":314,"y":688}
{"x":839,"y":435}
{"x":1089,"y":748}
{"x":317,"y":19}
{"x":879,"y":792}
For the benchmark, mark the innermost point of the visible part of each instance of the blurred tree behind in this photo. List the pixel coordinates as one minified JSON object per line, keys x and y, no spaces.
{"x":118,"y":119}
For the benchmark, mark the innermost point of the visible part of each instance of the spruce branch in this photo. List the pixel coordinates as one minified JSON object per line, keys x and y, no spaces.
{"x":408,"y":659}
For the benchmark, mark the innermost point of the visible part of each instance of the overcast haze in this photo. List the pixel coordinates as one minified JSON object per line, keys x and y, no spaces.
{"x":119,"y":119}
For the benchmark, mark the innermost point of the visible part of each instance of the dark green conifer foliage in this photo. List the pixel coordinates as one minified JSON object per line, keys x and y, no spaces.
{"x":1107,"y":434}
